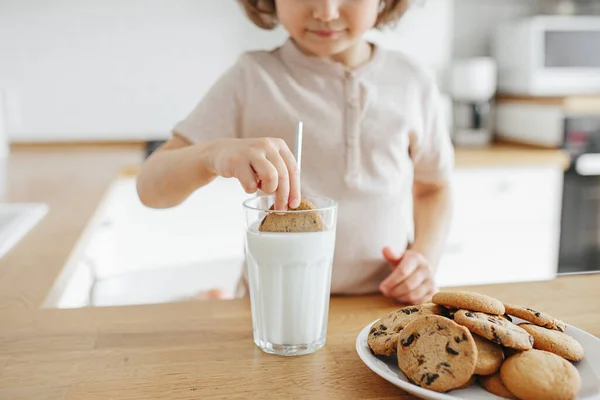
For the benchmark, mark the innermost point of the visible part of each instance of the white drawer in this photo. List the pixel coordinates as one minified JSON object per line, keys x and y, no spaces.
{"x":496,"y":256}
{"x":507,"y":194}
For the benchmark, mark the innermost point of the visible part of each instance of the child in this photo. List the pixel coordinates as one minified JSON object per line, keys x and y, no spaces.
{"x":374,"y":140}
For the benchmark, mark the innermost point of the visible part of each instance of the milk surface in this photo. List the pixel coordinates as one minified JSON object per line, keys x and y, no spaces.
{"x":290,"y":280}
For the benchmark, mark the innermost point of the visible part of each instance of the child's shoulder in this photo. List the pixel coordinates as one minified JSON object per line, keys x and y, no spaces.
{"x":259,"y":58}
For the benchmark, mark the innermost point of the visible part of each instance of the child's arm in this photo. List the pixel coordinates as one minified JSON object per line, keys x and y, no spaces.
{"x":172,"y":173}
{"x":412,"y":279}
{"x":432,"y":216}
{"x":177,"y":169}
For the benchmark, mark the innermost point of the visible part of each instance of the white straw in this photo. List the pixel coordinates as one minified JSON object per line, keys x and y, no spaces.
{"x":298,"y":145}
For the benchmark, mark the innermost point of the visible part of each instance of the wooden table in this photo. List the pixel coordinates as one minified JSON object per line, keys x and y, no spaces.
{"x":191,"y":350}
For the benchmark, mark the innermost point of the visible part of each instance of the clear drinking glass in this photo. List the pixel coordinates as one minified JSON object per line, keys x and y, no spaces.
{"x":289,"y":275}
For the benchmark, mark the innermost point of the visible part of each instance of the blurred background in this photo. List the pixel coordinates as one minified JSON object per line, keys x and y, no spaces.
{"x":106,"y":81}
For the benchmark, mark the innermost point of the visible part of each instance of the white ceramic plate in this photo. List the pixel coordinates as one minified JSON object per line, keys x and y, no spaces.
{"x":387,"y":368}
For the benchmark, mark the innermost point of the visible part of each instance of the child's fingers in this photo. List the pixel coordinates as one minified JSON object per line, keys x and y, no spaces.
{"x":294,"y":176}
{"x":405,"y":269}
{"x":245,"y":174}
{"x":419,"y":295}
{"x":267,"y":173}
{"x":410,"y":284}
{"x":282,"y":191}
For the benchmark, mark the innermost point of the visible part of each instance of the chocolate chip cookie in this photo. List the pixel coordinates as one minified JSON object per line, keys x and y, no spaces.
{"x":294,"y":221}
{"x":469,"y":301}
{"x":436,"y":353}
{"x":495,"y":328}
{"x":493,"y":384}
{"x":469,"y":383}
{"x":489,"y":356}
{"x":383,"y":334}
{"x":537,"y":374}
{"x":535,"y":317}
{"x":555,"y":342}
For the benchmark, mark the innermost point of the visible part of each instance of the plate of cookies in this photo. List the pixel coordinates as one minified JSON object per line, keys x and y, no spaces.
{"x":467,"y":345}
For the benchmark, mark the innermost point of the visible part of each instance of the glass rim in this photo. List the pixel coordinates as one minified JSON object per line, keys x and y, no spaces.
{"x":332,"y":206}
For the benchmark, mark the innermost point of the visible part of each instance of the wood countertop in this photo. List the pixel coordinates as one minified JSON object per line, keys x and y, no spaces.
{"x":187,"y":350}
{"x":502,"y":154}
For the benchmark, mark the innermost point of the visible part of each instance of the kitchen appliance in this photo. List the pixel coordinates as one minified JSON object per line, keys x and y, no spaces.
{"x":580,"y":222}
{"x":472,"y":85}
{"x":569,"y":7}
{"x":548,"y":55}
{"x":573,"y":124}
{"x":540,"y":121}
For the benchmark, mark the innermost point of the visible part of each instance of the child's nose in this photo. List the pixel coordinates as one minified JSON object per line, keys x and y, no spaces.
{"x":326,"y":10}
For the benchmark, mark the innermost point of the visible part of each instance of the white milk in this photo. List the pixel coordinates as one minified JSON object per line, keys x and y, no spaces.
{"x":290,"y":280}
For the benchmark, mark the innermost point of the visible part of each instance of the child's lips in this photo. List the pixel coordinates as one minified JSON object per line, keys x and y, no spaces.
{"x":326,"y":33}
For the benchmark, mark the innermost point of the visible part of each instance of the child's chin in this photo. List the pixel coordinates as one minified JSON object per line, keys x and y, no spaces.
{"x":327,"y":47}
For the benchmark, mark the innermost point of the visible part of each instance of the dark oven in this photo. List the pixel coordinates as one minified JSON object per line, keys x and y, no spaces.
{"x":580,"y":222}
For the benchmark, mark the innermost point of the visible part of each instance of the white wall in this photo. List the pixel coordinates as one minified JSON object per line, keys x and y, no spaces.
{"x":111,"y":69}
{"x":130,"y":69}
{"x":474,"y":21}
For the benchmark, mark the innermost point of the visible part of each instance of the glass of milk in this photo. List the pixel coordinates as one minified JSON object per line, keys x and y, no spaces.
{"x":289,"y":274}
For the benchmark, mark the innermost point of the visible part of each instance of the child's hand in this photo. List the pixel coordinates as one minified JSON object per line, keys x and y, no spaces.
{"x":411,"y":280}
{"x":264,"y":163}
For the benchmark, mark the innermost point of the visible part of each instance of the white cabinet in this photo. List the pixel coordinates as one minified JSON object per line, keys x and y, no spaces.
{"x":506,"y":226}
{"x":131,"y":254}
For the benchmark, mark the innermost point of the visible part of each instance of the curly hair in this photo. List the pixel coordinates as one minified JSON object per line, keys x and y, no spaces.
{"x":264,"y":14}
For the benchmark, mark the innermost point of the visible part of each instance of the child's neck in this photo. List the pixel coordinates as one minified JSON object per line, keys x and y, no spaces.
{"x":353,"y":57}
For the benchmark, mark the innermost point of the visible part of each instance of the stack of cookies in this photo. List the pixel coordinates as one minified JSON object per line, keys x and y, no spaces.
{"x":464,"y":337}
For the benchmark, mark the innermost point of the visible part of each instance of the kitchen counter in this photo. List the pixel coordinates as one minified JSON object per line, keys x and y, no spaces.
{"x":184,"y":350}
{"x":507,"y":154}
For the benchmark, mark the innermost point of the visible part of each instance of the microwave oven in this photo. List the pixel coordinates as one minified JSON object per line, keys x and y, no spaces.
{"x":548,"y":55}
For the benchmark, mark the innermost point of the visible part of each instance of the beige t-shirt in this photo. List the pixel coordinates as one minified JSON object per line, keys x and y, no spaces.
{"x":368,"y":133}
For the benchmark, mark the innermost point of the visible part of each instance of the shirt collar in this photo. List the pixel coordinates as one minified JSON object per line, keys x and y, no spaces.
{"x":294,"y":58}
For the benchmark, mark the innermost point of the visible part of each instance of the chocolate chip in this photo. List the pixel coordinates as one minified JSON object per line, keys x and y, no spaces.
{"x":470,"y":315}
{"x":421,"y":360}
{"x":429,"y":378}
{"x":383,"y":327}
{"x":445,"y":364}
{"x":464,"y":336}
{"x":450,"y":350}
{"x":373,"y":330}
{"x":493,"y":321}
{"x":537,"y":313}
{"x":496,"y":338}
{"x":457,"y":339}
{"x":408,"y":341}
{"x":409,"y":311}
